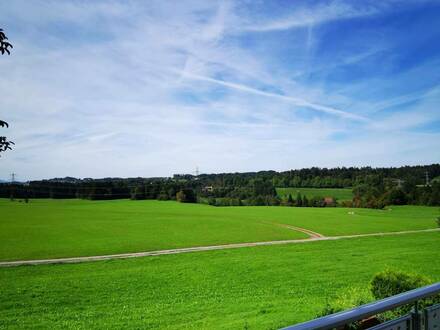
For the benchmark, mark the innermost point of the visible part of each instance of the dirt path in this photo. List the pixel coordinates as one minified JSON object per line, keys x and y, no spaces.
{"x":203,"y":248}
{"x":312,"y":234}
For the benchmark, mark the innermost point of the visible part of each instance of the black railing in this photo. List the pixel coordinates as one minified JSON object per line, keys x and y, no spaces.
{"x":428,"y":320}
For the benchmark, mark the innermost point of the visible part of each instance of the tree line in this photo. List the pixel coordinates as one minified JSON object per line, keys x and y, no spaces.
{"x":372,"y":187}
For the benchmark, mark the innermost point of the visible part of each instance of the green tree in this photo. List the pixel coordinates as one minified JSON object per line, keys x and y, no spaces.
{"x":289,"y":201}
{"x":163,"y":196}
{"x":180,"y":196}
{"x":396,"y":197}
{"x":172,"y":193}
{"x":186,"y":196}
{"x":305,"y":201}
{"x":299,"y":200}
{"x":138,"y":193}
{"x":435,"y":194}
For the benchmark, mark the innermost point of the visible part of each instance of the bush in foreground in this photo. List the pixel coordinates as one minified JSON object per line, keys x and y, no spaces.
{"x":348,"y":299}
{"x":384,"y":284}
{"x":391,"y":282}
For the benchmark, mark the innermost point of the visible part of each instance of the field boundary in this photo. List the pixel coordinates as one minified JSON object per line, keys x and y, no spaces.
{"x":201,"y":248}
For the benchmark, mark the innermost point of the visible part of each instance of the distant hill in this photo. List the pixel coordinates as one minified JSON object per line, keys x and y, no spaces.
{"x":373,"y":187}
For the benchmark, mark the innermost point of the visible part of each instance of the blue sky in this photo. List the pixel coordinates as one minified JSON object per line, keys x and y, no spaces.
{"x":152,"y":88}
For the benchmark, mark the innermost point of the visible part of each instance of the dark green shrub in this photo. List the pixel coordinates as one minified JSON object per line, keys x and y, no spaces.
{"x":384,"y":284}
{"x":186,"y":196}
{"x":235,"y":202}
{"x":138,"y":193}
{"x":391,"y":282}
{"x":347,"y":299}
{"x":163,"y":197}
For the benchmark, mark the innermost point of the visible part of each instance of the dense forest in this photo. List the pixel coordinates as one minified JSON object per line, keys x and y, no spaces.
{"x":372,"y":187}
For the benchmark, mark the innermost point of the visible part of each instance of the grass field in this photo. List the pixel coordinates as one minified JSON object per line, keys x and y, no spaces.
{"x":68,"y":228}
{"x":250,"y":288}
{"x":339,"y":193}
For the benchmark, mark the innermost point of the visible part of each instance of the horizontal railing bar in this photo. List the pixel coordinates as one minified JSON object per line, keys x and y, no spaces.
{"x":361,"y":312}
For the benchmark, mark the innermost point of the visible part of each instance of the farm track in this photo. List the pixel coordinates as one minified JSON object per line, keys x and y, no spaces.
{"x":312,"y":234}
{"x":313,"y":238}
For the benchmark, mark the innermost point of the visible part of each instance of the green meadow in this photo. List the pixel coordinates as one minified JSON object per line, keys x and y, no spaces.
{"x":338,"y":193}
{"x":250,"y":288}
{"x":264,"y":287}
{"x":69,"y":228}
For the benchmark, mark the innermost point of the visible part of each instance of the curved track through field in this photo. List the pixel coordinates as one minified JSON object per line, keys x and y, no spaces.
{"x":314,"y":237}
{"x":312,"y":234}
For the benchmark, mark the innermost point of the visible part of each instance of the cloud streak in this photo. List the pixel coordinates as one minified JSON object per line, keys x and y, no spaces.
{"x":156,"y":88}
{"x":319,"y":14}
{"x":290,"y":99}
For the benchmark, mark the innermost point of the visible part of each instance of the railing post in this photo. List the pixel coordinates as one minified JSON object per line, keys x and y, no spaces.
{"x":416,"y":319}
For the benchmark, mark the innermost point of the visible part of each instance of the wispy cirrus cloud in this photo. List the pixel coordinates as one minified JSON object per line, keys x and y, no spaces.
{"x":317,"y":14}
{"x":294,"y":100}
{"x":158,"y":88}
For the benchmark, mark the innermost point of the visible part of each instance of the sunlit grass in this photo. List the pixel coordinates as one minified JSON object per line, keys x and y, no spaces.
{"x":258,"y":288}
{"x":66,"y":228}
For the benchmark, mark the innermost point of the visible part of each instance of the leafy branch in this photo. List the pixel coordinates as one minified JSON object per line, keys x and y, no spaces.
{"x":4,"y":45}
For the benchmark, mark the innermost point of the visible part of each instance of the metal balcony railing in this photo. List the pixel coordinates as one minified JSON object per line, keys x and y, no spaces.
{"x":428,"y":319}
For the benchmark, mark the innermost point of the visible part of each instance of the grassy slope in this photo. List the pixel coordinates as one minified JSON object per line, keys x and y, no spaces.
{"x":340,"y":221}
{"x":259,"y":288}
{"x":339,"y":193}
{"x":55,"y":228}
{"x":47,"y":228}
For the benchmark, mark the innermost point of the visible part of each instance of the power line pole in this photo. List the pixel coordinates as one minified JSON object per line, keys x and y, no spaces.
{"x":11,"y":192}
{"x":427,"y":178}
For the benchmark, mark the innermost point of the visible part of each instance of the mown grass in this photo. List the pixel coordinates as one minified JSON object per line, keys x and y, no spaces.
{"x":60,"y":228}
{"x":338,"y":193}
{"x":68,"y":228}
{"x":251,"y":288}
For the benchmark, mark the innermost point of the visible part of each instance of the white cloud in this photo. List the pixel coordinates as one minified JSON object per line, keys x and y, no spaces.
{"x":156,"y":88}
{"x":319,"y":14}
